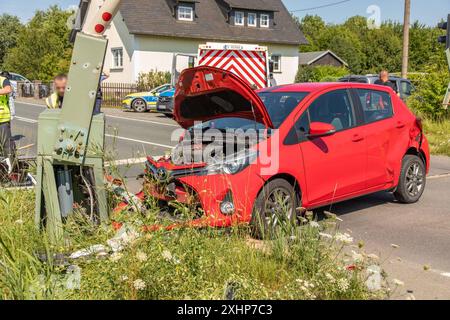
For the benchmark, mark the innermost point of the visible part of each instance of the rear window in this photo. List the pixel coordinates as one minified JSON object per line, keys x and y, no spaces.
{"x":280,"y":105}
{"x":377,"y":105}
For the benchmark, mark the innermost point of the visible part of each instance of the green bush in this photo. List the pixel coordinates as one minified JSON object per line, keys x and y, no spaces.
{"x":320,"y":74}
{"x":153,"y":79}
{"x":427,"y":99}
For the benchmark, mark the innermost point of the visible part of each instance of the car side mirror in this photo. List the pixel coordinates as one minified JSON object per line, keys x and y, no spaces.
{"x":320,"y":129}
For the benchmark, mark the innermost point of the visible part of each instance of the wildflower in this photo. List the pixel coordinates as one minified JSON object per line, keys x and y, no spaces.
{"x":399,"y":283}
{"x":314,"y":224}
{"x":344,"y":238}
{"x":326,"y":235}
{"x":115,"y":257}
{"x":343,"y":284}
{"x":139,"y":284}
{"x":20,"y":221}
{"x":167,"y":255}
{"x":124,"y":278}
{"x":141,"y":256}
{"x":351,"y":268}
{"x":329,"y":277}
{"x":395,"y":246}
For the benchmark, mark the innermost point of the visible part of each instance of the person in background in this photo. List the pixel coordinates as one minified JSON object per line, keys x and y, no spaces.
{"x":6,"y":145}
{"x":99,"y":99}
{"x":384,"y":80}
{"x":55,"y":101}
{"x":12,"y":95}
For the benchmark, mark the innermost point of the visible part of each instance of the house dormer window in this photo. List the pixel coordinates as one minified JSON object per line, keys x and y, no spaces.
{"x":185,"y":13}
{"x":239,"y":18}
{"x":264,"y":20}
{"x":252,"y":19}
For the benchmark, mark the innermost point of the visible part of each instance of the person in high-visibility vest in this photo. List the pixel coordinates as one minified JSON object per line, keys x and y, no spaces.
{"x":5,"y":120}
{"x":55,"y":101}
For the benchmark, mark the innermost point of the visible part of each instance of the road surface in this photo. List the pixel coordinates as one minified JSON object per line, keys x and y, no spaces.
{"x":422,"y":230}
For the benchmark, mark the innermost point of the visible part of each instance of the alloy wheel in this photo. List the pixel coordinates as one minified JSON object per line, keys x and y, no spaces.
{"x":414,"y":179}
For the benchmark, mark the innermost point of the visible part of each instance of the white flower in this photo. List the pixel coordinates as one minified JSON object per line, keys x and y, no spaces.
{"x":343,"y":284}
{"x":314,"y":224}
{"x":398,"y":283}
{"x":141,"y":256}
{"x":139,"y":284}
{"x":124,"y":278}
{"x":167,"y":255}
{"x":115,"y":257}
{"x":20,"y":221}
{"x":344,"y":238}
{"x":326,"y":235}
{"x":330,"y":277}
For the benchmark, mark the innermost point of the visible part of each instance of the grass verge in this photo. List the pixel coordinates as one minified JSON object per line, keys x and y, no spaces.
{"x":314,"y":262}
{"x":438,"y":134}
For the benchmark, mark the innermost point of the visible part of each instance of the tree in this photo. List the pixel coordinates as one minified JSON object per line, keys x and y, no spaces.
{"x":43,"y":48}
{"x":10,"y":29}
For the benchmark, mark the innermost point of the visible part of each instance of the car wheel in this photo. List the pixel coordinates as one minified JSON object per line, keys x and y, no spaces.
{"x":413,"y":180}
{"x":139,"y":105}
{"x":275,"y":209}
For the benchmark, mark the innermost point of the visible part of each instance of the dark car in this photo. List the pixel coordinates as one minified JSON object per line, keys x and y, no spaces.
{"x":402,"y":86}
{"x":165,"y":103}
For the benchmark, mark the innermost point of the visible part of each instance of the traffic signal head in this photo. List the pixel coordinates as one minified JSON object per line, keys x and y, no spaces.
{"x":445,"y":26}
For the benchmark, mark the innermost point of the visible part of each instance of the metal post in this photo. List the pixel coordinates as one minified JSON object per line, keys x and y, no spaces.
{"x":406,"y":24}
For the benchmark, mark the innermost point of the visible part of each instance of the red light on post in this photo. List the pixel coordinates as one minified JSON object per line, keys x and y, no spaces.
{"x":106,"y":16}
{"x":99,"y":28}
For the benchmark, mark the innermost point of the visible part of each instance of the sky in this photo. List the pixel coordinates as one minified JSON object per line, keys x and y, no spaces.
{"x":429,"y":12}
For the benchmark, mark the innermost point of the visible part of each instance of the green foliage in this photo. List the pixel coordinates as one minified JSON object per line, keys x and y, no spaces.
{"x":438,"y":135}
{"x":320,"y":74}
{"x":10,"y":29}
{"x":429,"y":94}
{"x":43,"y":48}
{"x":368,"y":50}
{"x":153,"y":79}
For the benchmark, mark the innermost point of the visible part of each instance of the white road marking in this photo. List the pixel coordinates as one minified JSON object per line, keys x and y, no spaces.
{"x":439,"y":176}
{"x":111,"y":136}
{"x":113,"y":117}
{"x":140,"y":141}
{"x":446,"y":274}
{"x":145,"y":121}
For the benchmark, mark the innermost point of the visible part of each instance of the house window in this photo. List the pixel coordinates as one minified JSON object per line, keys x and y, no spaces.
{"x":239,"y":18}
{"x":276,"y":59}
{"x":117,"y":54}
{"x":251,"y":20}
{"x":185,"y":13}
{"x":265,"y":21}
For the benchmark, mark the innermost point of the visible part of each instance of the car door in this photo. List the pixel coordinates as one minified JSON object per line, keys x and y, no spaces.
{"x":334,"y":165}
{"x":379,"y":129}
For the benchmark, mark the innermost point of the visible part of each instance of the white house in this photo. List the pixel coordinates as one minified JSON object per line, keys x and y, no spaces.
{"x":146,"y":34}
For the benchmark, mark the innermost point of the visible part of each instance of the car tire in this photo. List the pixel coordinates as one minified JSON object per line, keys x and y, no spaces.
{"x":265,"y":224}
{"x":412,"y":181}
{"x":139,"y":105}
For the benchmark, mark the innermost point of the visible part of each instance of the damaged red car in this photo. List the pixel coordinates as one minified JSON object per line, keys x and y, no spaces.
{"x":257,"y":156}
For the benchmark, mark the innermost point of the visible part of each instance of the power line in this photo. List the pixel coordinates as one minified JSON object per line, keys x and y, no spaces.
{"x":322,"y":6}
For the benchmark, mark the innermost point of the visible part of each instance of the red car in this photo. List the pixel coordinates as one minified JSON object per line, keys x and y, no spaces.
{"x":315,"y":144}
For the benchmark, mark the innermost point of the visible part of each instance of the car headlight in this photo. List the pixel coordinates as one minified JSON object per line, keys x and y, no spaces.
{"x":234,"y":164}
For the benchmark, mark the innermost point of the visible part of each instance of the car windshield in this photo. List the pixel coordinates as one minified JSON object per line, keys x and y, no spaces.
{"x":280,"y":105}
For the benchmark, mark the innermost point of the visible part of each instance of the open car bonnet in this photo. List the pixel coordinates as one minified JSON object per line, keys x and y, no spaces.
{"x":207,"y":93}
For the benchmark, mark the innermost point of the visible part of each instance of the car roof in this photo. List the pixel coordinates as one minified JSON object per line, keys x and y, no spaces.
{"x":319,"y":86}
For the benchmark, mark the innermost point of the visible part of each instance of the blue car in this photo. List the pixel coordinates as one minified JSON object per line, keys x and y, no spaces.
{"x":144,"y":101}
{"x":166,"y":102}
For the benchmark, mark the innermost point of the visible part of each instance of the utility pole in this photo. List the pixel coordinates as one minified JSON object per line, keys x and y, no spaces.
{"x":406,"y":23}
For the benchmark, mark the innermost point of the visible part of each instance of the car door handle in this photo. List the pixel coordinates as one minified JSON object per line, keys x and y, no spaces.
{"x":357,"y":138}
{"x":400,"y":125}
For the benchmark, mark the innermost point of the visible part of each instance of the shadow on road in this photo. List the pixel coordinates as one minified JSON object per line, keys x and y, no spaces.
{"x":358,"y":204}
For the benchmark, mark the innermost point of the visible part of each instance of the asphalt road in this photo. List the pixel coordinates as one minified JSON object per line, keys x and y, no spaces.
{"x":422,"y":230}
